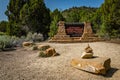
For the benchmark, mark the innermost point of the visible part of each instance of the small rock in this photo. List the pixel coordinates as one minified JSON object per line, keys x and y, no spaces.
{"x":88,"y":49}
{"x":97,"y":65}
{"x":87,"y":55}
{"x":88,"y":52}
{"x":27,"y":44}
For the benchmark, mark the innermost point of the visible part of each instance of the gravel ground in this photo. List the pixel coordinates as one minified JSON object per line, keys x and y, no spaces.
{"x":24,"y":64}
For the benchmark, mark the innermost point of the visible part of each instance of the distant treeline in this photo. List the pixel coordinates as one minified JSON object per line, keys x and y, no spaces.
{"x":33,"y":16}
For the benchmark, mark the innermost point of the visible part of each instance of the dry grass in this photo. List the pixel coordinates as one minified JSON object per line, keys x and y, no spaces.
{"x":26,"y":65}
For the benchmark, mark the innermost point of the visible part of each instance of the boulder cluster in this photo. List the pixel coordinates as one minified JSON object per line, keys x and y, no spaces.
{"x":43,"y":50}
{"x":46,"y":51}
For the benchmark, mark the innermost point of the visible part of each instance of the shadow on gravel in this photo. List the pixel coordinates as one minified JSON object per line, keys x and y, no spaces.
{"x":111,"y":72}
{"x":8,"y":49}
{"x":114,"y":41}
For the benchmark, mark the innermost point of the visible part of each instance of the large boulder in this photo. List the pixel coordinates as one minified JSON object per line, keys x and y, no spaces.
{"x":50,"y":52}
{"x":98,"y":65}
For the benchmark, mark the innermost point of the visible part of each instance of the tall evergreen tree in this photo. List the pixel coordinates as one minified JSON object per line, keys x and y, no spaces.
{"x":36,"y":16}
{"x":110,"y":10}
{"x":13,"y":13}
{"x":56,"y":16}
{"x":53,"y":26}
{"x":3,"y":25}
{"x":58,"y":13}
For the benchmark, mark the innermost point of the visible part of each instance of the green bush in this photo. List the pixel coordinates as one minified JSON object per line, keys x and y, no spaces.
{"x":6,"y":42}
{"x":2,"y":33}
{"x":42,"y":54}
{"x":35,"y":37}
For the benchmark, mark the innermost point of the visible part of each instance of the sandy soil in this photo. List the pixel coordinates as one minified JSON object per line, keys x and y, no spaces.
{"x":24,"y":64}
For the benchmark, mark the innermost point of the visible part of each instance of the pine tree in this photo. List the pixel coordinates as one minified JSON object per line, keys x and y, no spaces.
{"x":111,"y":17}
{"x":53,"y":26}
{"x":56,"y":16}
{"x":36,"y":16}
{"x":13,"y":13}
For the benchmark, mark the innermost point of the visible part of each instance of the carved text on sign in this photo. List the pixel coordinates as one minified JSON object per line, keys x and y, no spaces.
{"x":77,"y":30}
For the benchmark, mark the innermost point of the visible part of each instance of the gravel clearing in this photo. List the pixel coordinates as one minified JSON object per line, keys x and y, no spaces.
{"x":24,"y":64}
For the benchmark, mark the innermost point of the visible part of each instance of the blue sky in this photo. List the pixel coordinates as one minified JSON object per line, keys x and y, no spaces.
{"x":53,"y":4}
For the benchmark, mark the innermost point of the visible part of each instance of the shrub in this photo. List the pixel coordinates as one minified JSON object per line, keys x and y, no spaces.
{"x":2,"y":33}
{"x":34,"y":47}
{"x":42,"y":54}
{"x":35,"y":37}
{"x":6,"y":42}
{"x":17,"y":41}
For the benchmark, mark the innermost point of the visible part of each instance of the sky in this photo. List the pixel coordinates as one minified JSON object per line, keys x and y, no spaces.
{"x":53,"y":4}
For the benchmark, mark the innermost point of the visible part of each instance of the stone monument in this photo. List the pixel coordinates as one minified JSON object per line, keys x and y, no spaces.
{"x":74,"y":32}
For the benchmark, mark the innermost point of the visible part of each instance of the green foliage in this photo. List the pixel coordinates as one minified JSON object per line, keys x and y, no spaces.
{"x":43,"y":48}
{"x":53,"y":26}
{"x":13,"y":13}
{"x":2,"y":33}
{"x":57,"y":13}
{"x":42,"y":54}
{"x":56,"y":16}
{"x":34,"y":47}
{"x":14,"y":29}
{"x":79,"y":14}
{"x":110,"y":17}
{"x":36,"y":16}
{"x":3,"y":25}
{"x":35,"y":37}
{"x":13,"y":10}
{"x":6,"y":42}
{"x":32,"y":14}
{"x":101,"y":32}
{"x":96,"y":20}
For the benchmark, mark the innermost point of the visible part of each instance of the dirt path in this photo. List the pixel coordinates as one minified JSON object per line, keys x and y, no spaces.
{"x":26,"y":65}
